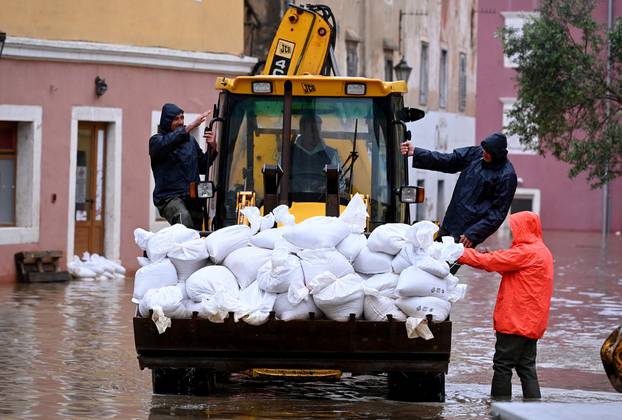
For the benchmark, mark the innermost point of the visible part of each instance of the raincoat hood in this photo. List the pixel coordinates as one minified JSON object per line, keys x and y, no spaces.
{"x":497,"y":145}
{"x":526,"y":227}
{"x":169,"y":112}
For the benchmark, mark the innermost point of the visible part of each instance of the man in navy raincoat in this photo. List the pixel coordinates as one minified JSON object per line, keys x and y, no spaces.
{"x":484,"y":191}
{"x":176,"y":161}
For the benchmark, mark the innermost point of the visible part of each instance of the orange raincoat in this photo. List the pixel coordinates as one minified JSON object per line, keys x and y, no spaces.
{"x":526,"y":268}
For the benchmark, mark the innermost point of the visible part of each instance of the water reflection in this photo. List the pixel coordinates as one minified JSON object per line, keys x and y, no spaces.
{"x":67,"y":351}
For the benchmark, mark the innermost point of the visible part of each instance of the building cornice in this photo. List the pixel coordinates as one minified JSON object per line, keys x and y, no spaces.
{"x":92,"y":52}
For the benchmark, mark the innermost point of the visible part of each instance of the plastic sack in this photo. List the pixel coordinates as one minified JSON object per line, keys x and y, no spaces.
{"x":153,"y":276}
{"x":255,"y":305}
{"x":282,"y":215}
{"x":277,"y":274}
{"x":163,"y":241}
{"x":217,"y":307}
{"x":224,"y":241}
{"x":446,"y":250}
{"x":419,"y":307}
{"x":337,"y":297}
{"x":418,"y":327}
{"x":141,"y":237}
{"x":421,"y":234}
{"x":416,"y":282}
{"x":188,"y":257}
{"x":408,"y":256}
{"x":166,"y":298}
{"x":210,"y":280}
{"x":317,"y":261}
{"x":245,"y":262}
{"x":389,"y":238}
{"x":435,"y":267}
{"x":287,"y":311}
{"x":143,"y":261}
{"x":267,"y":222}
{"x":376,"y":308}
{"x":267,"y":238}
{"x":254,"y":218}
{"x":381,"y":285}
{"x":317,"y":232}
{"x":370,"y":262}
{"x":355,"y":214}
{"x":352,"y":245}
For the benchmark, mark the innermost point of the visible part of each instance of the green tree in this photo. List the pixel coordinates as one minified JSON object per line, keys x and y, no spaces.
{"x":564,"y":97}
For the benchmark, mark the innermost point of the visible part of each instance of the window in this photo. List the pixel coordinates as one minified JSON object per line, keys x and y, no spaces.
{"x":462,"y":84}
{"x":388,"y":65}
{"x":516,"y":20}
{"x":20,"y":173}
{"x":8,"y":172}
{"x":420,"y":213}
{"x":440,"y":200}
{"x":442,"y":81}
{"x":514,"y":145}
{"x":423,"y":71}
{"x":352,"y":58}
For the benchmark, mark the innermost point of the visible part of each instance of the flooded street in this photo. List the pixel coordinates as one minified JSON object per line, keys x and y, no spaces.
{"x":67,"y":351}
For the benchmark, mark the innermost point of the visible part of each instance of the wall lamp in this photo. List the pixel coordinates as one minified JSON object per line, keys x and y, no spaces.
{"x":100,"y":86}
{"x":2,"y":41}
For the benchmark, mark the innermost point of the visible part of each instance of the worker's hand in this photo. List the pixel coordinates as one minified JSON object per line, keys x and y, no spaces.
{"x":483,"y":249}
{"x":466,"y":241}
{"x":200,"y":120}
{"x":407,"y":148}
{"x":209,"y":140}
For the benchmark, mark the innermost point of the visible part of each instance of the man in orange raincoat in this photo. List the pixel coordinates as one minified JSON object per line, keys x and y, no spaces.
{"x":522,"y":308}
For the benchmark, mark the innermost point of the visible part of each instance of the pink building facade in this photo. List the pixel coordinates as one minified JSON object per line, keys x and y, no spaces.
{"x":544,"y":185}
{"x":47,"y":95}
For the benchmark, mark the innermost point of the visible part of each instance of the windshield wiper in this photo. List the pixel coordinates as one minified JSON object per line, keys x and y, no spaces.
{"x":348,"y":165}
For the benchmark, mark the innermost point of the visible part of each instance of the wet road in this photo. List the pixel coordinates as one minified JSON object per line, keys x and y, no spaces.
{"x":67,"y":351}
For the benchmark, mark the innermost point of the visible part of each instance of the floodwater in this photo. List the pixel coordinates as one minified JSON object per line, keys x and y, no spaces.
{"x":67,"y":351}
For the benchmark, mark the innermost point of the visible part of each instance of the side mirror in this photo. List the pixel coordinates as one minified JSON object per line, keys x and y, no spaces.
{"x":410,"y":114}
{"x":412,"y":195}
{"x":202,"y":189}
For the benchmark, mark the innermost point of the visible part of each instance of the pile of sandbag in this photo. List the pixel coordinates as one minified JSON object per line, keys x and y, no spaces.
{"x":95,"y":267}
{"x":325,"y":265}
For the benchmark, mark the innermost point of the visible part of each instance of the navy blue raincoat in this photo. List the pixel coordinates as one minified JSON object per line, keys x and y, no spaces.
{"x":176,"y":158}
{"x":484,"y":191}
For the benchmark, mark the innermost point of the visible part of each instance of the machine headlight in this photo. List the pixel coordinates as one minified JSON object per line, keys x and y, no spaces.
{"x":262,"y":87}
{"x":412,"y":195}
{"x":356,"y":88}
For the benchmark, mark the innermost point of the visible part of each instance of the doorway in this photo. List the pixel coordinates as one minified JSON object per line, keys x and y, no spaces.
{"x":90,"y":188}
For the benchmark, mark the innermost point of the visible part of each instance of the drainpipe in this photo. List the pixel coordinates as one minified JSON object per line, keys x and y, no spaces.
{"x":605,"y":229}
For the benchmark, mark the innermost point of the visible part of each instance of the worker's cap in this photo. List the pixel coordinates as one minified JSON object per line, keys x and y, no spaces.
{"x":309,"y":116}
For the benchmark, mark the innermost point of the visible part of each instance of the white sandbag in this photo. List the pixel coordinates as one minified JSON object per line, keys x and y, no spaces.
{"x":376,"y":308}
{"x":279,"y":271}
{"x":337,"y":297}
{"x":352,"y":245}
{"x":317,"y":232}
{"x":224,"y":241}
{"x":282,"y":215}
{"x":418,"y":327}
{"x":141,"y":237}
{"x":143,"y":261}
{"x":218,"y":306}
{"x":287,"y":311}
{"x":446,"y":250}
{"x":267,"y":222}
{"x":421,"y":234}
{"x":370,"y":262}
{"x":317,"y":261}
{"x":419,"y":307}
{"x":435,"y":267}
{"x":416,"y":282}
{"x":254,"y":218}
{"x":108,"y":265}
{"x":355,"y":214}
{"x":210,"y":280}
{"x":255,"y":305}
{"x":188,"y":257}
{"x":389,"y":238}
{"x":409,"y":255}
{"x":298,"y":290}
{"x":163,"y":241}
{"x":77,"y":270}
{"x":153,"y":276}
{"x":381,"y":285}
{"x":185,"y":310}
{"x":166,"y":298}
{"x":245,"y":262}
{"x":267,"y":238}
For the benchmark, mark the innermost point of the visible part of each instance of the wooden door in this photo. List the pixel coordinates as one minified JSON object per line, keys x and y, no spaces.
{"x":90,"y":188}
